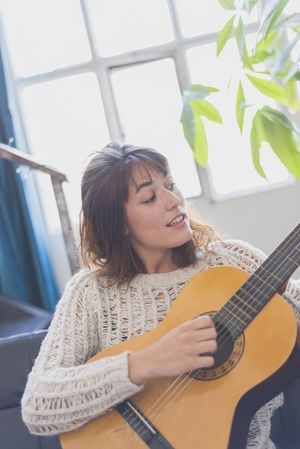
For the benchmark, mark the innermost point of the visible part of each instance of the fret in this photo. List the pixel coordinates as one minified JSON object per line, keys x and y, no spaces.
{"x":241,"y":305}
{"x":236,"y":315}
{"x":250,"y":306}
{"x":261,"y":286}
{"x":297,"y":250}
{"x":238,"y":302}
{"x":268,"y":273}
{"x":293,"y":261}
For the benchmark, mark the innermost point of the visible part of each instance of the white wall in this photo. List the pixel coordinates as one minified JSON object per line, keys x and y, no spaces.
{"x":264,"y":219}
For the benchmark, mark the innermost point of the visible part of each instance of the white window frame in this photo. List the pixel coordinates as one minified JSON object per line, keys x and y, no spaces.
{"x":102,"y":66}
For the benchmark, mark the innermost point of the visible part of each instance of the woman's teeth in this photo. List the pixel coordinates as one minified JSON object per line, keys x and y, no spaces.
{"x":177,"y":220}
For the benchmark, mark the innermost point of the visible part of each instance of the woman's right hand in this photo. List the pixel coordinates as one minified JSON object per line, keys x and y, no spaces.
{"x":185,"y":348}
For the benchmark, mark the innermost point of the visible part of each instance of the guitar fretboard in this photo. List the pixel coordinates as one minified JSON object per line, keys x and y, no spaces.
{"x":262,"y":285}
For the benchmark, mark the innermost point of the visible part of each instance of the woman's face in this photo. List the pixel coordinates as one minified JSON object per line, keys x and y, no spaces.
{"x":156,"y":219}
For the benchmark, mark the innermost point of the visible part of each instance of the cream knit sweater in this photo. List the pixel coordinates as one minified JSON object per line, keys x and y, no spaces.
{"x":62,"y":393}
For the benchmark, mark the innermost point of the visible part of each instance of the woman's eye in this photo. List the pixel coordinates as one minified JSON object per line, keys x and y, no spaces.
{"x":172,"y":186}
{"x":149,"y":200}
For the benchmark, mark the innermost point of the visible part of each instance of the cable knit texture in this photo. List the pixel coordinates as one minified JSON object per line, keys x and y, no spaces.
{"x":62,"y":393}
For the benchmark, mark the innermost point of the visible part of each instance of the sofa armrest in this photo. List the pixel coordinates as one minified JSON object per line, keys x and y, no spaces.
{"x":17,"y":354}
{"x":17,"y":317}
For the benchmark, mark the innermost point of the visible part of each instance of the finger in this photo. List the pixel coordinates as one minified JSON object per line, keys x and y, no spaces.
{"x":205,"y":362}
{"x":208,"y":333}
{"x":206,"y":347}
{"x":202,"y":322}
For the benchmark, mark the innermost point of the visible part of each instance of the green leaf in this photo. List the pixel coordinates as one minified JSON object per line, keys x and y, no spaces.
{"x":193,"y":127}
{"x":187,"y":121}
{"x":266,"y":14}
{"x":224,"y":35}
{"x":270,"y":14}
{"x":270,"y":88}
{"x":198,"y":92}
{"x":246,"y":60}
{"x":291,"y":21}
{"x":284,"y":57}
{"x":280,"y":138}
{"x":282,"y":4}
{"x":297,"y":75}
{"x":266,"y":46}
{"x":240,"y":106}
{"x":277,"y":116}
{"x":248,"y":5}
{"x":227,"y":4}
{"x":205,"y":108}
{"x":195,"y":134}
{"x":259,"y":57}
{"x":291,"y":70}
{"x":255,"y":139}
{"x":200,"y":143}
{"x":240,"y":36}
{"x":292,"y":95}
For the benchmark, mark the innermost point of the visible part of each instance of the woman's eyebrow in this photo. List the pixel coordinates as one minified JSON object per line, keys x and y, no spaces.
{"x":145,"y":184}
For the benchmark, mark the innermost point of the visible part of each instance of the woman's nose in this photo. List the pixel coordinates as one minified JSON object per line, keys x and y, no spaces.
{"x":172,"y":200}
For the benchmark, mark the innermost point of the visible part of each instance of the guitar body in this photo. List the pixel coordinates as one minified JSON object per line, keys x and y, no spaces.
{"x":212,"y":413}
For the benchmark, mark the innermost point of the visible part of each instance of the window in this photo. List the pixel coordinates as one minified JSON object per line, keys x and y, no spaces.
{"x":153,"y":120}
{"x":230,"y":163}
{"x":91,"y":71}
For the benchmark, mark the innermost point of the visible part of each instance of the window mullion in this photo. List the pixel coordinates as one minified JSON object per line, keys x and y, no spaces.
{"x":184,"y":81}
{"x":175,"y":20}
{"x":110,"y":108}
{"x":103,"y":79}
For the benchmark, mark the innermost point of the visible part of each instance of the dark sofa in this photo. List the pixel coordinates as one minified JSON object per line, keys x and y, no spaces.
{"x":17,"y":355}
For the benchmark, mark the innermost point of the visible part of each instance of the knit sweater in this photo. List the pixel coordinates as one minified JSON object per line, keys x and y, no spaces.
{"x":63,"y":393}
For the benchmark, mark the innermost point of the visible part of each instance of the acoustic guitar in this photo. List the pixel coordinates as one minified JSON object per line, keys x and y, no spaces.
{"x":258,"y":357}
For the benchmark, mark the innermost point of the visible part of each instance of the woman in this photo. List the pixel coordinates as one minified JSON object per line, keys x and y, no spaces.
{"x":143,"y":247}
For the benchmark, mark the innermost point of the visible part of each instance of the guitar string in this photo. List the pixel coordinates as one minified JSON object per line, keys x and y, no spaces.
{"x":178,"y":393}
{"x":174,"y":398}
{"x":186,"y":376}
{"x":245,"y":291}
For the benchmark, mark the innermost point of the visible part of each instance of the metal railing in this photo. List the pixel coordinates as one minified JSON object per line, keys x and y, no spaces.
{"x":57,"y":179}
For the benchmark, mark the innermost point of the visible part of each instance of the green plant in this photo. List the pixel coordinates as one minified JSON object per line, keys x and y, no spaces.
{"x":272,"y":68}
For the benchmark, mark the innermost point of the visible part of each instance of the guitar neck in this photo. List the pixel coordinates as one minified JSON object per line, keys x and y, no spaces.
{"x":262,"y":285}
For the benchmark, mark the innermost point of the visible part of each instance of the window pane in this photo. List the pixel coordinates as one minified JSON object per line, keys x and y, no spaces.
{"x":196,"y":17}
{"x":65,"y":123}
{"x":150,"y":105}
{"x":123,"y":26}
{"x":44,"y":35}
{"x":230,"y":153}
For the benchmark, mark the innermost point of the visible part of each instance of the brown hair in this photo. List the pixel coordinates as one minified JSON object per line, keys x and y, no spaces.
{"x":104,"y":191}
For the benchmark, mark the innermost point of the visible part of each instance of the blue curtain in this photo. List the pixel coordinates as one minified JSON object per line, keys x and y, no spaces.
{"x":26,"y":273}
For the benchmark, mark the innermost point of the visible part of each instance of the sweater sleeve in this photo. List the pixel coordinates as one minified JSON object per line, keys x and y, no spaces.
{"x":63,"y":393}
{"x":247,"y":257}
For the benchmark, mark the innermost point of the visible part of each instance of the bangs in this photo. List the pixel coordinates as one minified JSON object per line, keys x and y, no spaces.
{"x":137,"y":166}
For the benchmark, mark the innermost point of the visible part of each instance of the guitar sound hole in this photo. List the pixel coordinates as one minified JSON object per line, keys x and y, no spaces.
{"x":225,"y":345}
{"x":226,"y":357}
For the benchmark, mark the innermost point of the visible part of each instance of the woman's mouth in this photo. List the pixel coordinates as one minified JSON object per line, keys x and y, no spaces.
{"x":178,"y":219}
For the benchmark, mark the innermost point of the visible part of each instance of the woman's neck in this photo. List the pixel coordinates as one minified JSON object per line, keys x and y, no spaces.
{"x":160,"y":265}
